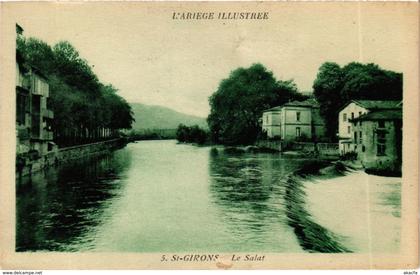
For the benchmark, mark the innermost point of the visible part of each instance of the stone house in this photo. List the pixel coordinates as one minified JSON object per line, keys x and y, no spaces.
{"x":378,"y":140}
{"x":294,"y":121}
{"x":33,"y":118}
{"x":353,"y":110}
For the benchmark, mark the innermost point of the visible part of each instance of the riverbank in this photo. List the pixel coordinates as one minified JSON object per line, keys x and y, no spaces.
{"x":27,"y":165}
{"x":323,"y":199}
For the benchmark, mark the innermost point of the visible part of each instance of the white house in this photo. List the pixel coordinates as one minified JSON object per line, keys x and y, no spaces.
{"x":346,"y":133}
{"x":296,"y":120}
{"x":271,"y":122}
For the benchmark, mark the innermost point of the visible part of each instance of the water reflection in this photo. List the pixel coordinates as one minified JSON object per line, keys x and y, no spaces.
{"x":248,"y":189}
{"x":56,"y":208}
{"x":159,"y":196}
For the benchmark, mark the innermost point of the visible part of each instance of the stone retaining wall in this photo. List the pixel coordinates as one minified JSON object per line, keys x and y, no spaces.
{"x":325,"y":149}
{"x":69,"y":154}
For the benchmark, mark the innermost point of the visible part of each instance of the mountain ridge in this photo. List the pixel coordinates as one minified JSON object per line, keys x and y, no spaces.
{"x":161,"y":117}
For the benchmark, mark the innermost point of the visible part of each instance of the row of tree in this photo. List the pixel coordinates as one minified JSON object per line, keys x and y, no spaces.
{"x":239,"y":101}
{"x":84,"y":109}
{"x":191,"y":134}
{"x":335,"y":86}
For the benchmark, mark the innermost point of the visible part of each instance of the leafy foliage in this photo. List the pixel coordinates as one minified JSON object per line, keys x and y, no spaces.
{"x":192,"y":134}
{"x":238,"y":103}
{"x":335,"y":86}
{"x":84,"y":108}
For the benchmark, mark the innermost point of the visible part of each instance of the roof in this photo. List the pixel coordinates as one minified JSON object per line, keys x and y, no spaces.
{"x":378,"y":104}
{"x":278,"y":108}
{"x":375,"y":104}
{"x":311,"y":102}
{"x":39,"y":72}
{"x":381,"y":115}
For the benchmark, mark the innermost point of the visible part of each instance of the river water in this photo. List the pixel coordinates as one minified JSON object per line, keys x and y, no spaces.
{"x":159,"y":196}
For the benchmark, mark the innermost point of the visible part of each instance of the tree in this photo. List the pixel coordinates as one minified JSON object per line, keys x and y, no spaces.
{"x":335,"y":86}
{"x":327,"y":90}
{"x":84,"y":108}
{"x":74,"y":70}
{"x":238,"y":103}
{"x":192,"y":134}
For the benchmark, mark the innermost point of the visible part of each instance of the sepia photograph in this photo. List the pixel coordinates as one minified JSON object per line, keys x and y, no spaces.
{"x":210,"y":135}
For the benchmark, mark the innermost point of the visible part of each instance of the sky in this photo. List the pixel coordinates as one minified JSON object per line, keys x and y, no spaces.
{"x":156,"y":60}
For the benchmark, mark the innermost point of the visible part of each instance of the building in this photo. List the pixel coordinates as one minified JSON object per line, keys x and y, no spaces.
{"x":294,"y":121}
{"x":271,"y":122}
{"x":33,"y":118}
{"x":378,"y":140}
{"x":353,"y":110}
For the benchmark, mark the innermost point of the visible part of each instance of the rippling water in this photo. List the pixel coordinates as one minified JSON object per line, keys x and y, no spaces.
{"x":159,"y":196}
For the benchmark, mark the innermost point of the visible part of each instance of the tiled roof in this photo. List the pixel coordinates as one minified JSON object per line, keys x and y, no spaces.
{"x":311,"y":102}
{"x":381,"y":115}
{"x":378,"y":104}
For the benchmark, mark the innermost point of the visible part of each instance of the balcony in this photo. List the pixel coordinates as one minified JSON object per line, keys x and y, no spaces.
{"x":48,"y":113}
{"x":48,"y":135}
{"x":23,"y":82}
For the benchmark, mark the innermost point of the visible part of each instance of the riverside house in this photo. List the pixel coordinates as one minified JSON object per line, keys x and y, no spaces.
{"x":378,"y":140}
{"x":294,"y":121}
{"x":33,"y":118}
{"x":347,"y":135}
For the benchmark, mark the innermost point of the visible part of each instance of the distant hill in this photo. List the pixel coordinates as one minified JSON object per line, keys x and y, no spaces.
{"x":159,"y":117}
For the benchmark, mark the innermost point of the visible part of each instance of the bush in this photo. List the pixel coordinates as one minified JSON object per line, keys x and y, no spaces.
{"x":192,"y":134}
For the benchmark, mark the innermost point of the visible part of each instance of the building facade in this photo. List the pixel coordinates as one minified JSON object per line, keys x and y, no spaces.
{"x":378,"y":140}
{"x":294,"y":121}
{"x":33,"y":118}
{"x":353,"y":110}
{"x":271,"y":122}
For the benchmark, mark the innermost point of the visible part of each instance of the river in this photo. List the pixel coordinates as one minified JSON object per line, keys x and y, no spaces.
{"x":159,"y":196}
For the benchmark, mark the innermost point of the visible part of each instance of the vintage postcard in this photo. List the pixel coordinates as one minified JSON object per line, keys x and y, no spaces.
{"x":209,"y":135}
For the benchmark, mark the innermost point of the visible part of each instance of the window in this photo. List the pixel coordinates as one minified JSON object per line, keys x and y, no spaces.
{"x":355,"y":137}
{"x":360,"y":137}
{"x":266,"y":119}
{"x":380,"y":140}
{"x":297,"y":131}
{"x":21,"y":103}
{"x":348,"y":129}
{"x":352,"y":115}
{"x":344,"y":117}
{"x":381,"y":124}
{"x":298,"y":116}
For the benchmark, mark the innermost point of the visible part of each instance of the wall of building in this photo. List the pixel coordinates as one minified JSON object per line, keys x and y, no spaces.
{"x":283,"y":123}
{"x":318,"y":123}
{"x":33,"y":119}
{"x":344,"y":125}
{"x":290,"y":122}
{"x":271,"y":123}
{"x":368,"y":150}
{"x":291,"y":135}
